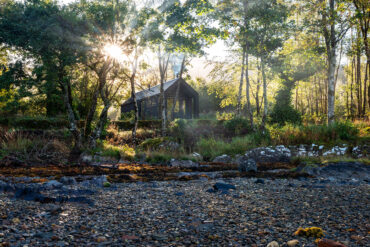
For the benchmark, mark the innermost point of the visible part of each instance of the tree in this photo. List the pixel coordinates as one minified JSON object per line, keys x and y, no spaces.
{"x":179,"y":27}
{"x":54,"y":36}
{"x":332,"y":22}
{"x":268,"y":28}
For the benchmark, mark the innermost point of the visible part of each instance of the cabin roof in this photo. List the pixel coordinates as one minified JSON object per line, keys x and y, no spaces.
{"x":147,"y":93}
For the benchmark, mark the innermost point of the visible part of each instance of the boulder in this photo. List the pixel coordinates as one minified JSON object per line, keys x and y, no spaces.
{"x":223,"y":159}
{"x":86,"y":159}
{"x":197,"y":156}
{"x":221,"y":187}
{"x":246,"y":164}
{"x":269,"y":155}
{"x":183,"y":163}
{"x":52,"y":184}
{"x":329,"y":243}
{"x":68,"y":180}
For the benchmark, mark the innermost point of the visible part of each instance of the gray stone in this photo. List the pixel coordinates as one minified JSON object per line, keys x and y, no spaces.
{"x":183,"y":163}
{"x":268,"y":155}
{"x":223,"y":159}
{"x":246,"y":164}
{"x":197,"y":156}
{"x":52,"y":184}
{"x":68,"y":180}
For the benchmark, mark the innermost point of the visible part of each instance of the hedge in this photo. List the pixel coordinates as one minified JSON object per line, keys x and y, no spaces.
{"x":145,"y":124}
{"x":34,"y":122}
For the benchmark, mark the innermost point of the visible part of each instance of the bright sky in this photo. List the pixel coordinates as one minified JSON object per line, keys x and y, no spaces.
{"x":216,"y":52}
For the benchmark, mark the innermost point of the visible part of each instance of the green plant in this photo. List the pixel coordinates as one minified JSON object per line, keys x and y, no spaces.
{"x":158,"y":157}
{"x":106,"y":184}
{"x":238,"y":126}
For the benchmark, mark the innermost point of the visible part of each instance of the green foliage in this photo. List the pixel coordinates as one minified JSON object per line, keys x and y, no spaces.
{"x":106,"y":184}
{"x":282,"y":114}
{"x":158,"y":157}
{"x":128,"y":116}
{"x":152,"y":143}
{"x":210,"y":148}
{"x":319,"y":134}
{"x":39,"y":122}
{"x":146,"y":124}
{"x":178,"y":127}
{"x":238,"y":126}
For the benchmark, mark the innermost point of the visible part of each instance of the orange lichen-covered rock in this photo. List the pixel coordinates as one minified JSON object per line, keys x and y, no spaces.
{"x":329,"y":243}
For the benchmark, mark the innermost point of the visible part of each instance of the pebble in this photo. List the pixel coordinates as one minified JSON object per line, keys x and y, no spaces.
{"x":292,"y":243}
{"x":273,"y":244}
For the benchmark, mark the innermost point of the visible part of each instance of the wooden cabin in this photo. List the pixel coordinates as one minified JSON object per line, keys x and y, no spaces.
{"x":186,"y":105}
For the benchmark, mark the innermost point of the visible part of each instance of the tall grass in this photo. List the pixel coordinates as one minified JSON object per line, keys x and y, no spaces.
{"x":320,"y":134}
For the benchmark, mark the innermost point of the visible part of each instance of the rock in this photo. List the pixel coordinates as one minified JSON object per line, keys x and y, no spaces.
{"x":223,"y":186}
{"x":197,"y":156}
{"x":329,"y":243}
{"x":183,"y":163}
{"x":169,"y":146}
{"x":361,"y":151}
{"x":52,"y":184}
{"x":246,"y":165}
{"x":273,"y":244}
{"x":336,"y":151}
{"x":223,"y":159}
{"x":101,"y":239}
{"x":346,"y":170}
{"x":68,"y":180}
{"x":292,"y":243}
{"x":259,"y":181}
{"x":53,"y":209}
{"x":269,"y":155}
{"x":95,"y":181}
{"x":86,"y":159}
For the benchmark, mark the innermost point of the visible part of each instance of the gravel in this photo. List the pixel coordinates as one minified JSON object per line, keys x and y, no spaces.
{"x":176,"y":213}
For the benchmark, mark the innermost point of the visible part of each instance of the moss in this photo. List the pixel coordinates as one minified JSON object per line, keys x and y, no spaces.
{"x":106,"y":184}
{"x":315,"y":232}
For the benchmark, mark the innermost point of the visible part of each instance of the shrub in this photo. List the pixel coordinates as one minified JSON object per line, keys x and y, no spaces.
{"x":286,"y":114}
{"x":152,"y":143}
{"x":237,"y":126}
{"x":34,"y":122}
{"x":128,"y":125}
{"x":324,"y":134}
{"x":158,"y":157}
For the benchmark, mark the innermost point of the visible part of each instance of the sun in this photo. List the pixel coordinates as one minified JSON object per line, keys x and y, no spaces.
{"x":114,"y":51}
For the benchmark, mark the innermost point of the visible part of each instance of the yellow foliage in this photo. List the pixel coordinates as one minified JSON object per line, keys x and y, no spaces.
{"x":316,"y":232}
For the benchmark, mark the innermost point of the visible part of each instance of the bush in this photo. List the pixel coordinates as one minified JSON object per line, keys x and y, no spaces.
{"x":158,"y":158}
{"x":34,"y":122}
{"x":146,"y":124}
{"x":237,"y":126}
{"x":210,"y":148}
{"x":152,"y":143}
{"x":283,"y":115}
{"x":319,"y":134}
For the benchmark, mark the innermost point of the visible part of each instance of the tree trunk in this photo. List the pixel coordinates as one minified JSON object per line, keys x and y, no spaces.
{"x":358,"y":76}
{"x":249,"y":108}
{"x":239,"y":103}
{"x":163,"y":65}
{"x":177,"y":90}
{"x":331,"y":85}
{"x":365,"y":87}
{"x":91,"y":113}
{"x":102,"y":120}
{"x":133,"y":95}
{"x":265,"y":104}
{"x":65,"y":84}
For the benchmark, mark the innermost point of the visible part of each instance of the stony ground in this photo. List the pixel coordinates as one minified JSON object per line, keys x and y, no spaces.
{"x":176,"y":213}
